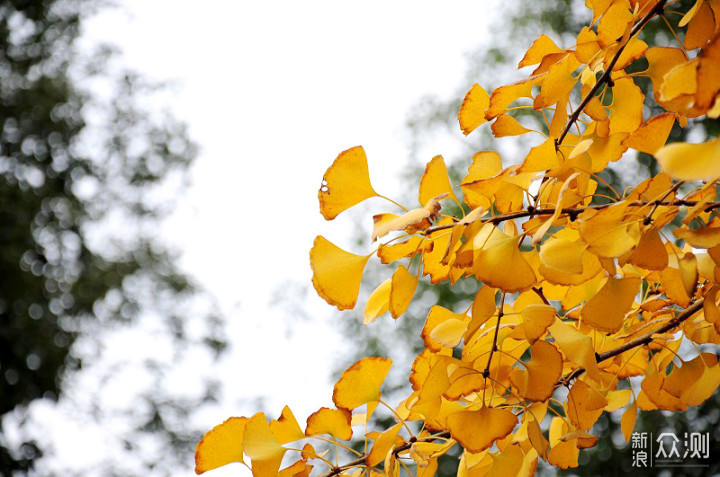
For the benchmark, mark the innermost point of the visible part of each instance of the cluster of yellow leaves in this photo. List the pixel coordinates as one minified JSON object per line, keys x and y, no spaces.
{"x":574,"y":290}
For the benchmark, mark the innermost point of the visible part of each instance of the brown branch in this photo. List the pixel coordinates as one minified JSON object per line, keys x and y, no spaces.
{"x":605,"y":78}
{"x":640,"y":341}
{"x":573,"y":212}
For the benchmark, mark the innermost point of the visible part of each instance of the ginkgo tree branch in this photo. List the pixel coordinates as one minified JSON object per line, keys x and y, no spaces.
{"x":606,"y":76}
{"x":573,"y":212}
{"x":640,"y":341}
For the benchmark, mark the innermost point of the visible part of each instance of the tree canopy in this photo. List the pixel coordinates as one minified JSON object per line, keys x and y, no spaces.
{"x":589,"y":298}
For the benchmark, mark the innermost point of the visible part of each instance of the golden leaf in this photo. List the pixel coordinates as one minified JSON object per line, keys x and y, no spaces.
{"x":336,"y":273}
{"x":360,"y":383}
{"x":335,"y":422}
{"x":265,"y":453}
{"x":221,"y":445}
{"x":402,"y":291}
{"x":472,"y":110}
{"x":690,"y":162}
{"x":605,"y":311}
{"x":435,"y":181}
{"x":495,"y":424}
{"x":378,"y":302}
{"x":286,"y":428}
{"x":346,"y":183}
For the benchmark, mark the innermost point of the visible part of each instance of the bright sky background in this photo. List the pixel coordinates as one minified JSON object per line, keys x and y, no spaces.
{"x":272,"y":92}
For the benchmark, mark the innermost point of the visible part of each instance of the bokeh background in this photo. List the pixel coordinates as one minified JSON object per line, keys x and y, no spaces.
{"x":159,"y":167}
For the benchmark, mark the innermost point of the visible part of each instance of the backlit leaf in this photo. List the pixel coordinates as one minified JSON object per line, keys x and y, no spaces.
{"x":472,"y":110}
{"x":335,"y":422}
{"x":690,"y":162}
{"x":465,"y":426}
{"x":360,"y":383}
{"x":435,"y":181}
{"x":402,"y":291}
{"x":606,"y":310}
{"x":346,"y":183}
{"x":336,"y":273}
{"x":221,"y":445}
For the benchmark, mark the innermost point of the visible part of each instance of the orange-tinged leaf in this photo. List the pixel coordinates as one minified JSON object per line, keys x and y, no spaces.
{"x":627,"y":421}
{"x":221,"y":445}
{"x":435,"y":181}
{"x":704,"y":386}
{"x":504,"y":96}
{"x":335,"y":422}
{"x":605,"y":233}
{"x":585,"y":405}
{"x":540,"y":48}
{"x":472,"y":110}
{"x":396,"y":251}
{"x":464,"y":426}
{"x":690,"y":162}
{"x":701,"y":28}
{"x":606,"y":310}
{"x":402,"y":291}
{"x":378,"y":302}
{"x":652,"y":135}
{"x":576,"y":346}
{"x":690,"y":14}
{"x":537,"y":381}
{"x":587,"y":45}
{"x":346,"y":183}
{"x":650,"y":252}
{"x":450,"y":331}
{"x":260,"y":445}
{"x":286,"y":428}
{"x":541,"y":158}
{"x":336,"y":273}
{"x":436,"y":340}
{"x":537,"y":439}
{"x":485,"y":164}
{"x":360,"y":383}
{"x":383,"y":444}
{"x":558,"y":83}
{"x":506,"y":125}
{"x":563,"y":454}
{"x":536,"y":319}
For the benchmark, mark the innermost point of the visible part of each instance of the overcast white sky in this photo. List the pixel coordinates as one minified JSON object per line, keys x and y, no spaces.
{"x":272,"y":92}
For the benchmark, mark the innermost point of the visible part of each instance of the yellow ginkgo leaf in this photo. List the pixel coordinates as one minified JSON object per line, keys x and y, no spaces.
{"x":580,"y":148}
{"x":651,"y":135}
{"x":706,"y":237}
{"x":478,"y":430}
{"x":705,"y":385}
{"x":690,"y":162}
{"x":506,"y":125}
{"x":383,"y":444}
{"x":402,"y":291}
{"x":260,"y":445}
{"x":536,"y":319}
{"x":286,"y":428}
{"x":336,"y":273}
{"x":411,"y":221}
{"x":576,"y":346}
{"x":679,"y":81}
{"x":563,"y":255}
{"x":650,"y":252}
{"x":626,"y":111}
{"x":585,"y":405}
{"x":497,"y":255}
{"x":221,"y":445}
{"x":701,"y":28}
{"x":542,"y":157}
{"x":605,"y":311}
{"x":446,"y":336}
{"x":483,"y":308}
{"x":378,"y":302}
{"x":565,"y":453}
{"x":472,"y":110}
{"x":435,"y":181}
{"x":335,"y":422}
{"x":360,"y":383}
{"x":537,"y":381}
{"x":540,"y":48}
{"x":504,"y":96}
{"x":614,"y":22}
{"x":299,"y":469}
{"x":346,"y":183}
{"x":627,"y":421}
